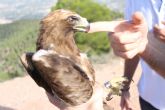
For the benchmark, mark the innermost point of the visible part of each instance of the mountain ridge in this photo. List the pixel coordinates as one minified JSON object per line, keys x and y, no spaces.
{"x":12,"y":10}
{"x":31,"y":9}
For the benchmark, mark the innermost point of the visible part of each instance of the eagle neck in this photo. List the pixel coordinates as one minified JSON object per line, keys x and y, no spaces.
{"x":65,"y":44}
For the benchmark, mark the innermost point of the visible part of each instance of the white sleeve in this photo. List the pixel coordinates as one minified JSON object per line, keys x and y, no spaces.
{"x":128,"y":9}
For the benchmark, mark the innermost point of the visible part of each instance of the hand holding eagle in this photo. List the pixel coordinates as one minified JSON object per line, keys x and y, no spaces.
{"x":57,"y":65}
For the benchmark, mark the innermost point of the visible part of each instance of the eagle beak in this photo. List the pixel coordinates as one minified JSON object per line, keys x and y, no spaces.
{"x":82,"y":25}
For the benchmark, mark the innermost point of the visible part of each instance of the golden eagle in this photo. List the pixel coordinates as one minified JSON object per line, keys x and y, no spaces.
{"x":57,"y":65}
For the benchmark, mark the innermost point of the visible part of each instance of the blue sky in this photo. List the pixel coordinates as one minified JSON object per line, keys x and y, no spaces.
{"x":18,"y":9}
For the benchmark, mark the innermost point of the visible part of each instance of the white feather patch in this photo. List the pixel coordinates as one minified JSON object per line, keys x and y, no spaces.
{"x":37,"y":56}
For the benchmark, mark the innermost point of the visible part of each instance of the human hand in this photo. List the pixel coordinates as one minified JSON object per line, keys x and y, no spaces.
{"x":95,"y":103}
{"x":159,"y":32}
{"x":127,"y":38}
{"x":130,"y":38}
{"x":125,"y":101}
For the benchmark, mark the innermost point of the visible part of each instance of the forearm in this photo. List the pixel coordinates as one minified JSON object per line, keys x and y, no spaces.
{"x":129,"y":68}
{"x":154,"y":55}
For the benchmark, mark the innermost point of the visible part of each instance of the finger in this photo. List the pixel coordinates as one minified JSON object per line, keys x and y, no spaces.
{"x":125,"y":38}
{"x":126,"y":47}
{"x":128,"y":54}
{"x":160,"y":33}
{"x":126,"y":97}
{"x":128,"y":106}
{"x":157,"y":31}
{"x":138,"y":18}
{"x":127,"y":102}
{"x":122,"y":103}
{"x":162,"y":38}
{"x":156,"y":27}
{"x":163,"y":22}
{"x":104,"y":26}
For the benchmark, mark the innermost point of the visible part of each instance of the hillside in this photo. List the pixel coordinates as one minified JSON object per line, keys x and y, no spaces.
{"x":16,"y":38}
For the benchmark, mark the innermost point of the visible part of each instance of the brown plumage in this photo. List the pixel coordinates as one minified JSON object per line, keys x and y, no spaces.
{"x":57,"y":34}
{"x":58,"y":66}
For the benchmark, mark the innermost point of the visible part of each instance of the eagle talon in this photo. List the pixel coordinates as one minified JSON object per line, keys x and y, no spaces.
{"x":109,"y":98}
{"x":115,"y":86}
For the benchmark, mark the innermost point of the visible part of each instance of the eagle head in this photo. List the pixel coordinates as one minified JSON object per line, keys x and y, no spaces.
{"x":58,"y":29}
{"x":66,"y":20}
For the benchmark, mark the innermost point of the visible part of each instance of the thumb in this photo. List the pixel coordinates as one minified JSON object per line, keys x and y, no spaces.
{"x":138,"y":18}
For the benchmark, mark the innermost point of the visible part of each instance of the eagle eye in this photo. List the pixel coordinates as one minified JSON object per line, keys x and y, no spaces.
{"x":72,"y":19}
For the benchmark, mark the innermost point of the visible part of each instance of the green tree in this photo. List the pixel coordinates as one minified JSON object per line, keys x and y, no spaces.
{"x":15,"y":39}
{"x":96,"y":43}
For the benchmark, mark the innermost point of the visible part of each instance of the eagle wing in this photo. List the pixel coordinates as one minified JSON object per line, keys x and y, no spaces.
{"x":65,"y":78}
{"x":26,"y":60}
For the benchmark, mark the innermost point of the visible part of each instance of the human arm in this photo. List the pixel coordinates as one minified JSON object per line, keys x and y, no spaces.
{"x":129,"y":70}
{"x":138,"y":41}
{"x":129,"y":39}
{"x":130,"y":66}
{"x":154,"y":54}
